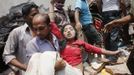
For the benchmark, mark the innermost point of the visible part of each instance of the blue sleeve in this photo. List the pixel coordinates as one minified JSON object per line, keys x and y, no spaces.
{"x":78,"y":4}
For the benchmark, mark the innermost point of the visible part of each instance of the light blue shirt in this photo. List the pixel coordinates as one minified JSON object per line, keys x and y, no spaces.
{"x":38,"y":45}
{"x":85,"y":14}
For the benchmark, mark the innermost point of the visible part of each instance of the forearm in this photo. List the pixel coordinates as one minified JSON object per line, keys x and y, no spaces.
{"x":123,"y":20}
{"x":51,"y":11}
{"x":77,"y":16}
{"x":18,"y":64}
{"x":107,"y":52}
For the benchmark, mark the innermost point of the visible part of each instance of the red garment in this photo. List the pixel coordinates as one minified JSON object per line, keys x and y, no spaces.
{"x":56,"y":31}
{"x":72,"y":52}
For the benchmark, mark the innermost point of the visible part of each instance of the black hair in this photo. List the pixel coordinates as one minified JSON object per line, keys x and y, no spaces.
{"x":27,"y":8}
{"x":46,"y":19}
{"x":71,"y":16}
{"x":62,"y":29}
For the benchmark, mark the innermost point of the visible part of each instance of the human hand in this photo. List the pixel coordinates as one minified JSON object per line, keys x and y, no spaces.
{"x":118,"y":53}
{"x":59,"y":65}
{"x":78,"y":26}
{"x":24,"y":67}
{"x":108,"y":27}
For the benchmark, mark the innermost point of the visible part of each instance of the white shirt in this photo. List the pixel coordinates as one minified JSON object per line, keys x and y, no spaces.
{"x":110,"y":5}
{"x":16,"y":45}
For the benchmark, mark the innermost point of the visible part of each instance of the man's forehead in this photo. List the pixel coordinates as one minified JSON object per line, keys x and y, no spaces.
{"x":39,"y":25}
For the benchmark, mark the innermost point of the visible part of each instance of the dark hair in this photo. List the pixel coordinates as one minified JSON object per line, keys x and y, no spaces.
{"x":27,"y":8}
{"x":71,"y":16}
{"x":62,"y":29}
{"x":46,"y":19}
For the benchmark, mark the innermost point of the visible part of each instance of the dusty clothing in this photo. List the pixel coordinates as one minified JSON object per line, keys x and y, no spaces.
{"x":109,"y":5}
{"x":111,"y":12}
{"x":16,"y":44}
{"x":37,"y":45}
{"x":37,"y":65}
{"x":85,"y":14}
{"x":72,"y":52}
{"x":132,"y":7}
{"x":87,"y":22}
{"x":92,"y":35}
{"x":61,"y":17}
{"x":130,"y":62}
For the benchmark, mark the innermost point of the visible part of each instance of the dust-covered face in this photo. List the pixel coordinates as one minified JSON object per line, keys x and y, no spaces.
{"x":59,"y":4}
{"x":69,"y":32}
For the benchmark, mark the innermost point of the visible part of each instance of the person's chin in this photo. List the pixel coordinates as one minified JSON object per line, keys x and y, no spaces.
{"x":70,"y":38}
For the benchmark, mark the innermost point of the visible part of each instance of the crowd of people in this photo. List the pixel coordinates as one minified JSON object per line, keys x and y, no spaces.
{"x":58,"y":30}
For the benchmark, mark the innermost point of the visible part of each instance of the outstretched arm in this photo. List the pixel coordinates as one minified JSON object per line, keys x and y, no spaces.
{"x":54,"y":28}
{"x":107,"y":52}
{"x":94,"y":49}
{"x":77,"y":17}
{"x":118,"y":22}
{"x":51,"y":11}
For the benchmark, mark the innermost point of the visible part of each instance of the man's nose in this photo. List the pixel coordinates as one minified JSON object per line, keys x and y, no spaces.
{"x":38,"y":32}
{"x":68,"y":31}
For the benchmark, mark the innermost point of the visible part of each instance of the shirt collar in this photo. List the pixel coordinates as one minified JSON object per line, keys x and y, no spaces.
{"x":27,"y":29}
{"x":54,"y":39}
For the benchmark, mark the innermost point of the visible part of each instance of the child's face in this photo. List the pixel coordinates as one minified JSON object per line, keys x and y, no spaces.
{"x":69,"y":32}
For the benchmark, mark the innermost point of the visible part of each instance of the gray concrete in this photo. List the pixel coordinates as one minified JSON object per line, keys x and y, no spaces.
{"x":6,"y":4}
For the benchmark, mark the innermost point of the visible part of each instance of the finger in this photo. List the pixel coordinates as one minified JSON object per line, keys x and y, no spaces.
{"x":60,"y":60}
{"x":107,"y":28}
{"x":63,"y":62}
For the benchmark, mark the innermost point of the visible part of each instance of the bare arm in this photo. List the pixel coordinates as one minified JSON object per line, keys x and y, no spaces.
{"x":118,"y":22}
{"x":51,"y":11}
{"x":107,"y":52}
{"x":16,"y":63}
{"x":77,"y":17}
{"x":123,"y":20}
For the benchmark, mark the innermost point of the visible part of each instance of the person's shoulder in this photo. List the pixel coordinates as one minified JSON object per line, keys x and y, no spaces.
{"x":32,"y":41}
{"x":20,"y":28}
{"x":78,"y":4}
{"x":79,"y":41}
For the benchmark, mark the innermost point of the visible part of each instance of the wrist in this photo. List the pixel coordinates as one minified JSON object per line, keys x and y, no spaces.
{"x":24,"y":67}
